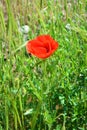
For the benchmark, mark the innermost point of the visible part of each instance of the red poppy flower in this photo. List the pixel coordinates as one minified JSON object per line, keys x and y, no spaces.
{"x":42,"y":46}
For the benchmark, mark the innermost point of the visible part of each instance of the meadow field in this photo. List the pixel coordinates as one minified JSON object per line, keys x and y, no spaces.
{"x":50,"y":93}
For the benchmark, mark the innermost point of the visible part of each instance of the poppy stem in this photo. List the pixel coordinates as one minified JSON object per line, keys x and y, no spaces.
{"x":41,"y":61}
{"x":44,"y":70}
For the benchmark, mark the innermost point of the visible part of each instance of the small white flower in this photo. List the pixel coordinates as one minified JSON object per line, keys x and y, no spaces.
{"x":68,"y":26}
{"x":29,"y":111}
{"x":24,"y":29}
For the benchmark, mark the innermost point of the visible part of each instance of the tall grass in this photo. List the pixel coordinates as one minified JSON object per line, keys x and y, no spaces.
{"x":52,"y":95}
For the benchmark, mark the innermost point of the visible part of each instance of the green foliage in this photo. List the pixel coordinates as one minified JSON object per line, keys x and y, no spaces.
{"x":50,"y":94}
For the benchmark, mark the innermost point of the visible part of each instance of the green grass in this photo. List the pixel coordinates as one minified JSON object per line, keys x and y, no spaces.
{"x":43,"y":96}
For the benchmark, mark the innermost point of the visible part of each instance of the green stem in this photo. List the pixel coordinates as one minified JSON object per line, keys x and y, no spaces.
{"x":6,"y":114}
{"x":36,"y":115}
{"x":40,"y":4}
